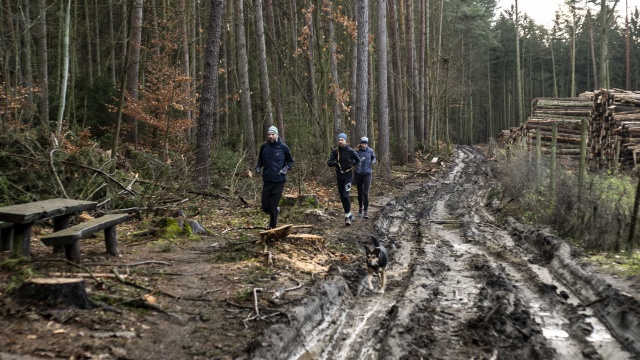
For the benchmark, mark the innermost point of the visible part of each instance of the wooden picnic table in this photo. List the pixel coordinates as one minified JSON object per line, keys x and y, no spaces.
{"x":23,"y":216}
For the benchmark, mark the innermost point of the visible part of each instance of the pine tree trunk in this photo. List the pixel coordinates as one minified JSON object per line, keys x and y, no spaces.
{"x":277,"y":87}
{"x":310,"y":61}
{"x":333,"y":63}
{"x":43,"y":62}
{"x":245,"y":91}
{"x":133,"y":71}
{"x":265,"y":91}
{"x":97,"y":37}
{"x":412,"y":68}
{"x":184,"y":54}
{"x":27,"y":70}
{"x":209,"y":98}
{"x":398,"y":88}
{"x":362,"y":77}
{"x":89,"y":61}
{"x":382,"y":102}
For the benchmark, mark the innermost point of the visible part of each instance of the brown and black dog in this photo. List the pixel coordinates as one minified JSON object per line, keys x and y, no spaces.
{"x":377,"y":260}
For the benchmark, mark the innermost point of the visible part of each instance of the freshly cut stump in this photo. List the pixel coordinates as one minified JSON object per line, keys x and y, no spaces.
{"x":56,"y":291}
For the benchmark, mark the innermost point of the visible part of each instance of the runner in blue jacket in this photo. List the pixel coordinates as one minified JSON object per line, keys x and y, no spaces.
{"x":363,"y":175}
{"x":274,"y":160}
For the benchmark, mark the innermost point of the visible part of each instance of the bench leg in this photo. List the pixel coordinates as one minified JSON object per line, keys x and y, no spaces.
{"x":6,"y":235}
{"x":111,"y":241}
{"x":60,"y":223}
{"x":72,"y":252}
{"x":21,"y":239}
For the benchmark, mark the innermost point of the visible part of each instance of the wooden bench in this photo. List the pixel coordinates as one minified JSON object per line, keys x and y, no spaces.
{"x":6,"y":234}
{"x":21,"y":218}
{"x":70,"y":237}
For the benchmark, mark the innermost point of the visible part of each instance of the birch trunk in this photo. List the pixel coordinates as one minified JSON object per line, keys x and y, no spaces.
{"x":65,"y":68}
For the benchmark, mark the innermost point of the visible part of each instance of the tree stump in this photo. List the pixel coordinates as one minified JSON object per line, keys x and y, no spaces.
{"x":56,"y":291}
{"x":313,"y":239}
{"x":274,"y":234}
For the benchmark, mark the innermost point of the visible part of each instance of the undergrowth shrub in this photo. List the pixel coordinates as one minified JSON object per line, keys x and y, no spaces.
{"x":599,"y":222}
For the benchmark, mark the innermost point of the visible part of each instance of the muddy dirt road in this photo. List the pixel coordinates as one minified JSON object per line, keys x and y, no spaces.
{"x":461,"y":286}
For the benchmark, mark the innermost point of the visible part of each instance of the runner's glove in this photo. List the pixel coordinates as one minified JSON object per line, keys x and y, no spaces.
{"x":283,"y":171}
{"x":258,"y":169}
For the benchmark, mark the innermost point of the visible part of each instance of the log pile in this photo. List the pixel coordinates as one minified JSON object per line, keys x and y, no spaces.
{"x":567,"y":114}
{"x":614,"y":126}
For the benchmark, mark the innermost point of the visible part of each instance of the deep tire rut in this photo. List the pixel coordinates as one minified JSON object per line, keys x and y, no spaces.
{"x":459,"y":287}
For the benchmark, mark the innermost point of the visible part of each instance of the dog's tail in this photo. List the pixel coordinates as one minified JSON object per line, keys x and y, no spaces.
{"x":375,"y":241}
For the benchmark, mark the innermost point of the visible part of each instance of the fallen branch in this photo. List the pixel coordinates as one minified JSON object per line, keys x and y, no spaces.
{"x":490,"y":314}
{"x":133,"y":193}
{"x":269,"y":257}
{"x":277,"y":294}
{"x":83,"y":275}
{"x":147,"y":262}
{"x":245,"y":306}
{"x":595,"y":301}
{"x":137,"y":286}
{"x":255,"y":300}
{"x":89,"y":273}
{"x":145,"y":232}
{"x":55,"y":173}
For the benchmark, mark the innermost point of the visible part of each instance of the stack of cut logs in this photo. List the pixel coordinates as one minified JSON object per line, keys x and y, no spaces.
{"x":614,"y":129}
{"x":567,"y":113}
{"x":614,"y":126}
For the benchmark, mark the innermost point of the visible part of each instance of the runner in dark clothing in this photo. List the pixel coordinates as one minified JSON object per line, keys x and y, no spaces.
{"x":344,"y":159}
{"x":274,"y":160}
{"x":363,"y":175}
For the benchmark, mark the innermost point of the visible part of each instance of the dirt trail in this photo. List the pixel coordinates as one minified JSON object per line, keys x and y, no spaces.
{"x":459,"y":287}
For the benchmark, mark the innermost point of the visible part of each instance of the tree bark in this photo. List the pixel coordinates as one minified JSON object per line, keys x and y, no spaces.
{"x":209,"y":99}
{"x":276,"y":71}
{"x":88,"y":39}
{"x":43,"y":62}
{"x":65,"y":68}
{"x":265,"y":92}
{"x":412,"y":69}
{"x":382,"y":87}
{"x":245,"y":91}
{"x":27,"y":69}
{"x":335,"y":82}
{"x":133,"y":72}
{"x":362,"y":76}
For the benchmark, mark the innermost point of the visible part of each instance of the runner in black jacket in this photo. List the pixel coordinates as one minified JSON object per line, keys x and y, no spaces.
{"x":274,"y":160}
{"x":344,"y":159}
